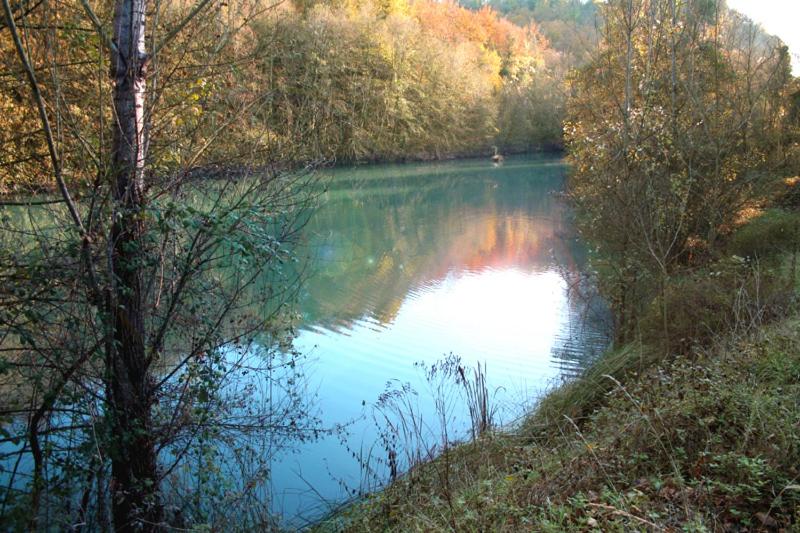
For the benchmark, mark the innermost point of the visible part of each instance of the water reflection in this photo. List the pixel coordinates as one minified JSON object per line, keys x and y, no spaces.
{"x":415,"y":262}
{"x":380,"y":236}
{"x":410,"y":263}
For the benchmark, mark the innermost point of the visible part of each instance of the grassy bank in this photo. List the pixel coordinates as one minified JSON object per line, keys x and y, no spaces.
{"x":687,"y":436}
{"x":708,"y":442}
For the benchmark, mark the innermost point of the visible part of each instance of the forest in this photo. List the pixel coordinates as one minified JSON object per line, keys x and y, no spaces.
{"x":198,"y":199}
{"x":350,"y":82}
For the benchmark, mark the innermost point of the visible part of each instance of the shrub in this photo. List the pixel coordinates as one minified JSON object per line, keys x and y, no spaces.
{"x":775,"y":232}
{"x":730,"y":296}
{"x":787,"y":194}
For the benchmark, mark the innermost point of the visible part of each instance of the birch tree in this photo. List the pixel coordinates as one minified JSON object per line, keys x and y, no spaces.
{"x":124,"y":323}
{"x":131,"y":395}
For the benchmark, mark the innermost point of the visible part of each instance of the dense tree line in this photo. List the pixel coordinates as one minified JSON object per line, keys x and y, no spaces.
{"x":346,"y":81}
{"x":571,"y":26}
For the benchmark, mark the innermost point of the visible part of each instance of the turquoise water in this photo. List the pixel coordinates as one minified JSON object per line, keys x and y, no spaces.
{"x":412,"y":263}
{"x":407,"y":266}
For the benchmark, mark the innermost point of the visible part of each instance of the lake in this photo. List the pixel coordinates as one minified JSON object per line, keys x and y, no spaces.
{"x":413,"y":272}
{"x":410,"y":263}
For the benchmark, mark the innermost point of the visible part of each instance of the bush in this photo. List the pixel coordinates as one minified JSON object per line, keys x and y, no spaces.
{"x":730,"y":296}
{"x":775,"y":232}
{"x":787,"y":194}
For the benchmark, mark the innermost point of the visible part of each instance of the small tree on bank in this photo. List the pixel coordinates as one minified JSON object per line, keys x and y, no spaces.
{"x":671,"y":128}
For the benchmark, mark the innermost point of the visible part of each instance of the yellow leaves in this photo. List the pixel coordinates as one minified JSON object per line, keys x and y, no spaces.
{"x":492,"y":62}
{"x":8,"y":108}
{"x":198,"y":89}
{"x":393,"y":7}
{"x":385,"y":51}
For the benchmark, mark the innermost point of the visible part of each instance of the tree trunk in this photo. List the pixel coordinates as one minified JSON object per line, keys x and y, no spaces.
{"x":134,"y":466}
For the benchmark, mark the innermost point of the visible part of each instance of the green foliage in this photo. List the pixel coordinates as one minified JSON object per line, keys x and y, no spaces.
{"x":728,"y":295}
{"x":663,"y":164}
{"x":221,"y":271}
{"x":768,"y":236}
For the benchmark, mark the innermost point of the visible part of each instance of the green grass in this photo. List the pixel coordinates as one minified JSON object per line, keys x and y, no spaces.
{"x":772,"y":234}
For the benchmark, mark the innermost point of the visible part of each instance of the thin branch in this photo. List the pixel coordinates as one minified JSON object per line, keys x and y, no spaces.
{"x":99,"y":27}
{"x":51,"y":147}
{"x":48,"y":131}
{"x":5,"y":203}
{"x":177,"y":29}
{"x":25,"y":13}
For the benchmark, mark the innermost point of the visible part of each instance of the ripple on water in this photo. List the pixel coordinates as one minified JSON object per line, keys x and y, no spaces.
{"x":513,"y":319}
{"x":420,"y":261}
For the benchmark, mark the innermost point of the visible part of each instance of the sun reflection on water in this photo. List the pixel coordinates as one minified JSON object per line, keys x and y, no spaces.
{"x":517,"y":311}
{"x":460,"y":262}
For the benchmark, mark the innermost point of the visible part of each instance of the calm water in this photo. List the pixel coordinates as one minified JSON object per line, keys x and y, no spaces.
{"x":411,"y":263}
{"x":414,"y":262}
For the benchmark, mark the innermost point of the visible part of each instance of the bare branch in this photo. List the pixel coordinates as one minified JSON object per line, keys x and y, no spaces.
{"x":99,"y":27}
{"x":181,"y":25}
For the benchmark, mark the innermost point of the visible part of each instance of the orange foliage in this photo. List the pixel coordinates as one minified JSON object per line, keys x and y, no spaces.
{"x":452,"y":23}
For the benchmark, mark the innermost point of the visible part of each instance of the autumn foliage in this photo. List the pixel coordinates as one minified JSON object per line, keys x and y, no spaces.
{"x":340,"y":81}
